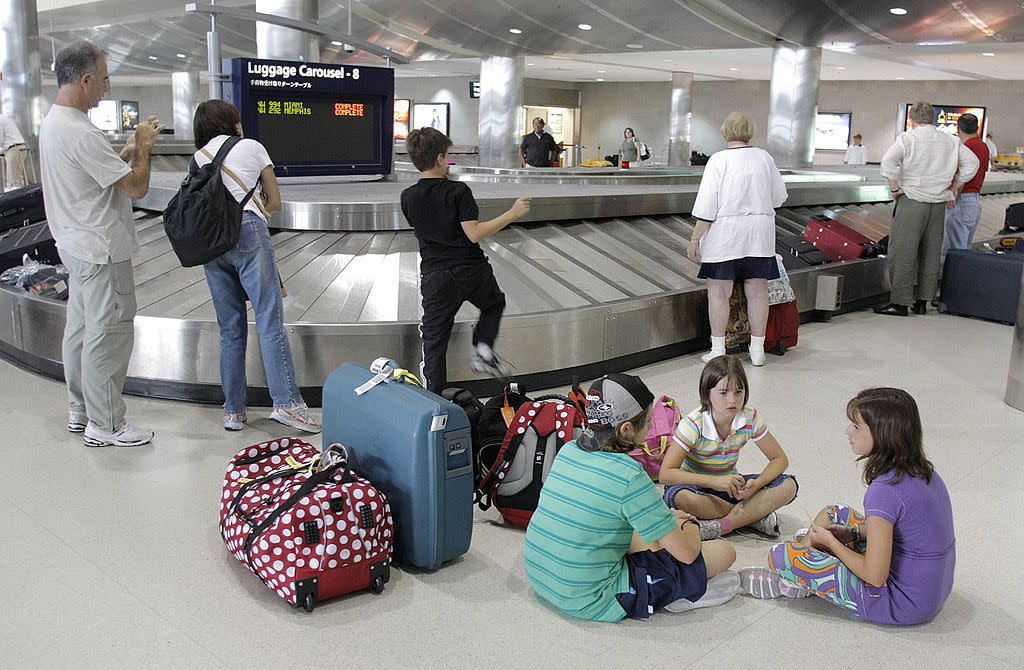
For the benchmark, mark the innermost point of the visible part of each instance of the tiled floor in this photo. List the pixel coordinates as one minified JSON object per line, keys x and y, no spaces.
{"x":112,"y":558}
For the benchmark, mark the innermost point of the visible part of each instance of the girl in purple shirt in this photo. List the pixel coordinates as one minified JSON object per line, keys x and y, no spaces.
{"x":894,"y":563}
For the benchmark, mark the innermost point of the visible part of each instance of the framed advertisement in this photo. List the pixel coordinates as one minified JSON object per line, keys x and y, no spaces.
{"x":402,"y":113}
{"x":129,"y":115}
{"x":106,"y":115}
{"x":832,"y":131}
{"x":946,"y":117}
{"x":431,"y":115}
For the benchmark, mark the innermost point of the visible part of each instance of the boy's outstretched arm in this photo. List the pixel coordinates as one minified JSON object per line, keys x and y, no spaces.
{"x":477,"y":230}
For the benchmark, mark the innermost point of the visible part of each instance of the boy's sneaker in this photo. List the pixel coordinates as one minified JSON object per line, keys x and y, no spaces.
{"x":296,"y":416}
{"x":720,"y":590}
{"x":125,"y":436}
{"x":767,"y":526}
{"x":710,"y":529}
{"x":234,"y":421}
{"x":763,"y":583}
{"x":77,"y":421}
{"x":490,"y":365}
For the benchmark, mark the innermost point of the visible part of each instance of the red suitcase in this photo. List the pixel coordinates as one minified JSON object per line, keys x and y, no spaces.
{"x":304,"y":523}
{"x":783,"y":325}
{"x":835,"y":239}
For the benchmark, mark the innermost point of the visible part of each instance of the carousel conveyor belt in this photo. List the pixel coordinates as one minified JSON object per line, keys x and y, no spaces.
{"x":584,"y":297}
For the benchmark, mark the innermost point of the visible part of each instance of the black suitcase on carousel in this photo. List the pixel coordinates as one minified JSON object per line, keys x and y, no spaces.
{"x":981,"y":284}
{"x":21,"y":206}
{"x":789,"y":246}
{"x":1014,"y":221}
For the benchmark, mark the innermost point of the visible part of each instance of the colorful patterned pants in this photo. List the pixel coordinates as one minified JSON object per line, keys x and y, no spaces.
{"x":822,"y":573}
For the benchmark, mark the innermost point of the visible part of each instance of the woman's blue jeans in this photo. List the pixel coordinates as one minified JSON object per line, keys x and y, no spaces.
{"x":250,"y":270}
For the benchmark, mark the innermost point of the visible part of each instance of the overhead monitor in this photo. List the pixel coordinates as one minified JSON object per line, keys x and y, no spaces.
{"x":317,"y":118}
{"x":105,"y":115}
{"x":945,"y":117}
{"x":832,"y":130}
{"x":431,"y":115}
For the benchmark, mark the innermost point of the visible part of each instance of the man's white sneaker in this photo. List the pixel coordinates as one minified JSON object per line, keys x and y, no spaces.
{"x":296,"y":416}
{"x":125,"y":436}
{"x":234,"y":421}
{"x":77,"y":421}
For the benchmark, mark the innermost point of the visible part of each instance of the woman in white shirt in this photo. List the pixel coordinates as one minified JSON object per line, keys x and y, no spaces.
{"x":249,"y":271}
{"x":735,"y":231}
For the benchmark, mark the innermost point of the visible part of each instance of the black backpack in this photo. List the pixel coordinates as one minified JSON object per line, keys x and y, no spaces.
{"x":203,"y":219}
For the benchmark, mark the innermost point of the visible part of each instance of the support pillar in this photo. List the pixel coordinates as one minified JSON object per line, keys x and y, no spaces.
{"x":21,"y":91}
{"x":793,"y":105}
{"x":185,"y":97}
{"x":278,"y":43}
{"x":680,"y":117}
{"x":501,"y":97}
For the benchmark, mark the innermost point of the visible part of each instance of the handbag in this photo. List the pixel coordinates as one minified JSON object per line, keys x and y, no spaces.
{"x":780,"y":290}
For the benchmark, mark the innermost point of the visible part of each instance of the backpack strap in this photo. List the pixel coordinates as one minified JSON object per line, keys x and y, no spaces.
{"x":222,"y":154}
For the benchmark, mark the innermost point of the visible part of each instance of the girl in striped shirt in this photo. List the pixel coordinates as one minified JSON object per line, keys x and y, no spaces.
{"x":699,"y":470}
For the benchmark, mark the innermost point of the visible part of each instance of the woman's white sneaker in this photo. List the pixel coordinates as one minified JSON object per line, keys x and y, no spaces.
{"x":296,"y":416}
{"x":234,"y":421}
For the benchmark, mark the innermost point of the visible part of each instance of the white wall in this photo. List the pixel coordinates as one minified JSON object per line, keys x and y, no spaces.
{"x":608,"y":108}
{"x":464,"y":112}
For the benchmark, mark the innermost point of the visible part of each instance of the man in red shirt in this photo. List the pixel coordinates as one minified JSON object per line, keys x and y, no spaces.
{"x":963,"y":215}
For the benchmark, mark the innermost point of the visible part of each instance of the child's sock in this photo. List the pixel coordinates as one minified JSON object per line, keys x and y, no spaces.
{"x":726,"y":525}
{"x":718,"y":344}
{"x":756,"y":351}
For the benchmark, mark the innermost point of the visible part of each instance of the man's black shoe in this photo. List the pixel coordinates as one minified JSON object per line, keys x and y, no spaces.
{"x":920,"y":307}
{"x":892,"y":309}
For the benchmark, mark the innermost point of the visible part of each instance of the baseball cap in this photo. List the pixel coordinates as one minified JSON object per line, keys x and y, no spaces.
{"x":611,"y":400}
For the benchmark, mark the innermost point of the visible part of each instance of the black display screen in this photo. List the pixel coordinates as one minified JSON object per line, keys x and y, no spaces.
{"x":313,"y":130}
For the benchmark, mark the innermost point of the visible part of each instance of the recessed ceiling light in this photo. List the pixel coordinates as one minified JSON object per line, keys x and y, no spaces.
{"x":840,"y":67}
{"x":599,"y":79}
{"x":181,"y":55}
{"x":634,"y":46}
{"x":336,"y":43}
{"x":987,"y":53}
{"x":897,"y":11}
{"x":901,"y":77}
{"x":601,"y":71}
{"x":531,"y":64}
{"x":152,"y":58}
{"x":584,"y":26}
{"x":734,"y":69}
{"x":515,"y":31}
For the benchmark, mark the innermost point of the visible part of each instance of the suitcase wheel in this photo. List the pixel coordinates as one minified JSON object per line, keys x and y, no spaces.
{"x":941,"y":308}
{"x":377,"y":584}
{"x":309,"y":603}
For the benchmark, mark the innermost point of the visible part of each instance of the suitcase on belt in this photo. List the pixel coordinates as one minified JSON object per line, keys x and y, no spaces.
{"x":836,"y":239}
{"x":305,"y":524}
{"x":981,"y":284}
{"x":1014,"y":220}
{"x":21,"y":206}
{"x":415,"y":447}
{"x":796,"y":245}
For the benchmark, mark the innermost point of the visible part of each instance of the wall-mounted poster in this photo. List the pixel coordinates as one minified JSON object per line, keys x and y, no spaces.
{"x":106,"y":115}
{"x":945,"y":117}
{"x":402,"y":118}
{"x":555,"y":121}
{"x":129,"y":115}
{"x":431,"y":115}
{"x":832,"y":130}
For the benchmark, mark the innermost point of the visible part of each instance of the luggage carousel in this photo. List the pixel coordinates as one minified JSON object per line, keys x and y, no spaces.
{"x":596,"y":280}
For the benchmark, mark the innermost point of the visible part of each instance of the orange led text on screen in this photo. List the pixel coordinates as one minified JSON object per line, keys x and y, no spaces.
{"x":348,"y":109}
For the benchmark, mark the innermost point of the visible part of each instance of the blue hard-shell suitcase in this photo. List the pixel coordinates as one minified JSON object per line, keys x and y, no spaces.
{"x":981,"y":284}
{"x":414,"y":446}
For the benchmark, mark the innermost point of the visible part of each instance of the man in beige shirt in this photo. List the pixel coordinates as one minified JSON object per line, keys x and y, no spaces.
{"x":87,"y":190}
{"x":925,"y":169}
{"x":12,"y":146}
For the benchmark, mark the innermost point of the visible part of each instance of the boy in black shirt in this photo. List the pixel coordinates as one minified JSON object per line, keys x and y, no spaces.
{"x":453,"y":267}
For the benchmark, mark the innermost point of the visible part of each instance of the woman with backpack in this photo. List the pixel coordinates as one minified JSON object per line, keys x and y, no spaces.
{"x":630,"y":150}
{"x":248,"y":272}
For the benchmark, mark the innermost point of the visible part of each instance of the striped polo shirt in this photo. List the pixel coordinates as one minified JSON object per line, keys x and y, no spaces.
{"x":578,"y":538}
{"x":706,"y":453}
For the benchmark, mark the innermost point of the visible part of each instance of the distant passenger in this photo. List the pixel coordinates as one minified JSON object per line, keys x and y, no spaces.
{"x":538,"y":149}
{"x":735,"y":231}
{"x":924,"y":167}
{"x":893,"y":563}
{"x":87,"y":189}
{"x":12,"y":146}
{"x":249,"y":272}
{"x":992,"y":153}
{"x":630,"y":150}
{"x":963,"y":215}
{"x":856,"y":153}
{"x":602,"y":545}
{"x":453,"y":267}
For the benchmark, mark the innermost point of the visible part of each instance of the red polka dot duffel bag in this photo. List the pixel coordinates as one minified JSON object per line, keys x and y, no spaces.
{"x":304,"y":523}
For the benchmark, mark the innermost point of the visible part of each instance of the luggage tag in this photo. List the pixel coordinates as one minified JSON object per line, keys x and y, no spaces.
{"x":383,"y":367}
{"x":508,"y":413}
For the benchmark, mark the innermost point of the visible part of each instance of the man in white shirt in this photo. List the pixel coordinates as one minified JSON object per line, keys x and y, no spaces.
{"x":856,"y":153}
{"x":991,"y":150}
{"x":12,"y":146}
{"x":87,"y":189}
{"x":925,"y":169}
